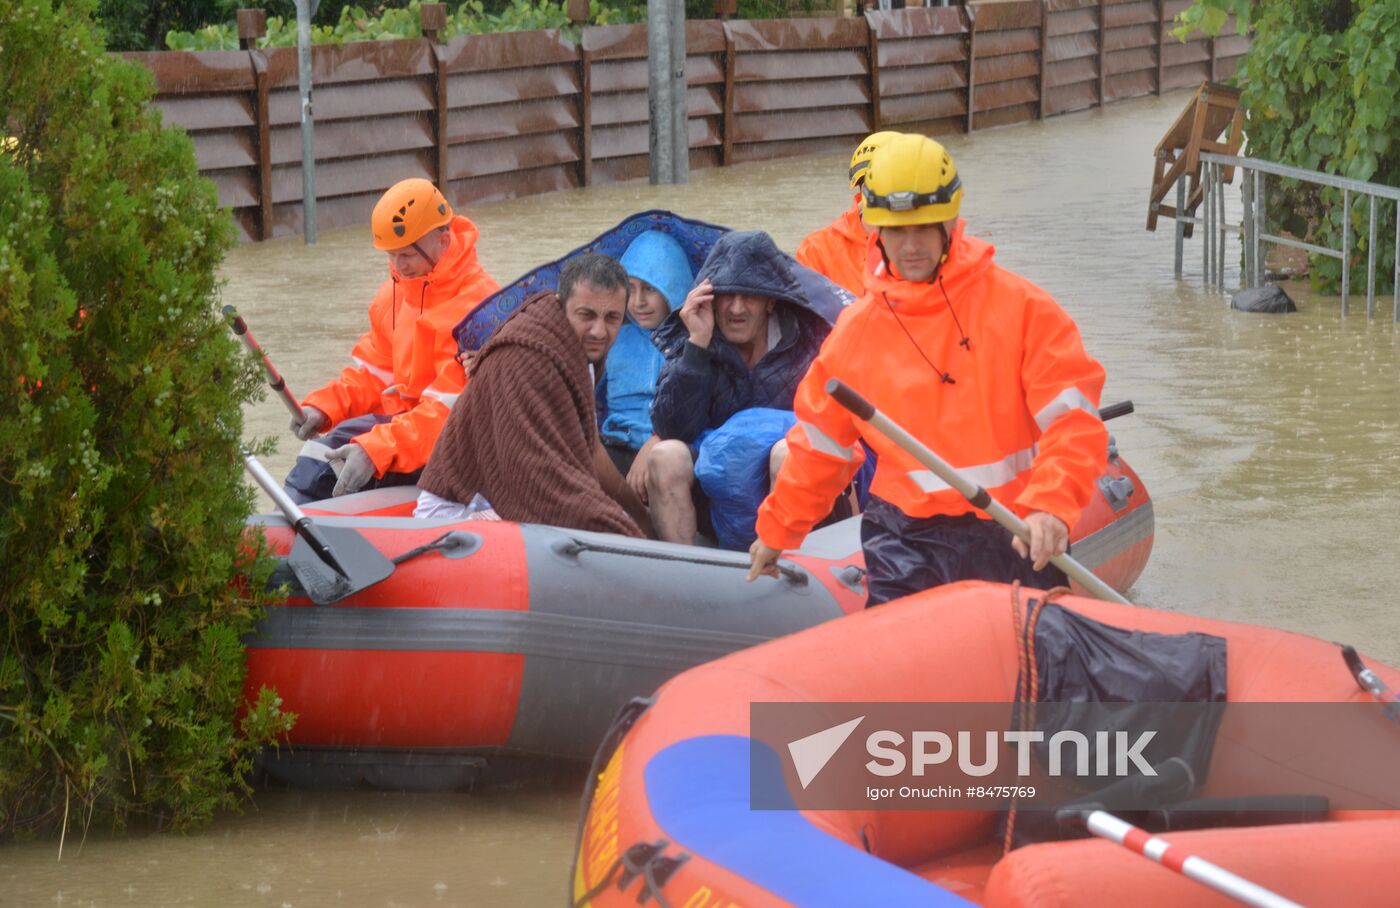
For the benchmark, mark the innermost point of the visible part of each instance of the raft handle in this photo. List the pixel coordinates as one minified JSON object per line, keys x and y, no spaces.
{"x":571,"y":547}
{"x":1113,"y":411}
{"x":1117,"y":490}
{"x":452,"y":544}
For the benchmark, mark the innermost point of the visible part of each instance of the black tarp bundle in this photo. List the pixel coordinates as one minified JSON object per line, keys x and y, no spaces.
{"x":1092,"y":678}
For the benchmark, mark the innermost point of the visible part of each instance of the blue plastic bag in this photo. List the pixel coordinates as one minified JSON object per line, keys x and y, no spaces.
{"x":732,"y":470}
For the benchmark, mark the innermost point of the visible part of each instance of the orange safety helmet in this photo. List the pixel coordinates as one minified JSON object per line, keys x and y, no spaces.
{"x":406,"y":212}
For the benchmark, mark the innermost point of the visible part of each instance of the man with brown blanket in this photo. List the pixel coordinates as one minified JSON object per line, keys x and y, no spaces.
{"x":524,"y":435}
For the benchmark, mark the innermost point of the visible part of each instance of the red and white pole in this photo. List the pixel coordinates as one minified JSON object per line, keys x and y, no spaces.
{"x":1107,"y":826}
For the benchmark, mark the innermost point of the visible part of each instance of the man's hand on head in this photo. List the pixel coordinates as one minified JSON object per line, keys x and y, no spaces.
{"x":698,"y":313}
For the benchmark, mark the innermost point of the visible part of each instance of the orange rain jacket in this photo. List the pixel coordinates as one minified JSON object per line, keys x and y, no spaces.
{"x":839,"y":250}
{"x":1020,"y":419}
{"x":406,"y":364}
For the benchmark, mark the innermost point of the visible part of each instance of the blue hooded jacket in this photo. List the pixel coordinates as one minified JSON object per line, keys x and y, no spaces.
{"x":700,"y":388}
{"x":628,"y":384}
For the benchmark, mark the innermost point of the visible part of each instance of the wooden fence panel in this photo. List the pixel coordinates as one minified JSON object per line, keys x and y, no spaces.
{"x":799,"y":86}
{"x":922,"y":66}
{"x":1131,"y":34}
{"x":1006,"y":63}
{"x":212,"y":95}
{"x":617,"y":62}
{"x":530,"y":80}
{"x":1229,"y":47}
{"x":1183,"y":65}
{"x":373,"y":106}
{"x":1072,"y":55}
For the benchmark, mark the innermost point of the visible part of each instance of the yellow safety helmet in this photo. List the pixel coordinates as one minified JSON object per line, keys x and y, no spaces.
{"x":406,"y":212}
{"x":860,"y":158}
{"x":911,"y":180}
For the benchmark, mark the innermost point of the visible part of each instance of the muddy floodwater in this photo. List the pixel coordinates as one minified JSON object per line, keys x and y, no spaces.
{"x":1269,"y":444}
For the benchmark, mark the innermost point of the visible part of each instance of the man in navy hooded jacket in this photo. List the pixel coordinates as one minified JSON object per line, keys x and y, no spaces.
{"x":744,"y":338}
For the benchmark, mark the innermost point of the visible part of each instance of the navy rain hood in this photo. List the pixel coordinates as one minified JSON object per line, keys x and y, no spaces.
{"x":701,"y":388}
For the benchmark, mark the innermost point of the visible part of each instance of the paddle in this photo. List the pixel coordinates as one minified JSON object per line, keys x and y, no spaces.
{"x":1106,"y":826}
{"x":329,"y":562}
{"x":274,"y":378}
{"x":1372,"y":683}
{"x":975,"y":494}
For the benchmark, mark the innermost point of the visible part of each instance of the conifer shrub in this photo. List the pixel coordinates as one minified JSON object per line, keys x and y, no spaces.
{"x":124,"y":576}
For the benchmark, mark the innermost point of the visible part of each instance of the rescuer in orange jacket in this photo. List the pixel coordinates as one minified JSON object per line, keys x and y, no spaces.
{"x":388,"y":408}
{"x":840,"y":249}
{"x":979,"y":364}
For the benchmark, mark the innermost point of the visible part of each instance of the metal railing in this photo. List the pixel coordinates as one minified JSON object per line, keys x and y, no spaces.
{"x":1217,"y":171}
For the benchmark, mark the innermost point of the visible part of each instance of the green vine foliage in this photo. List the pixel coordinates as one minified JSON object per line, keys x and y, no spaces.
{"x":1321,"y":84}
{"x":122,"y":505}
{"x":397,"y":23}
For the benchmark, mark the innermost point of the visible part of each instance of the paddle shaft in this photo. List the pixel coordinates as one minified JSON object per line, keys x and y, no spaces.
{"x":1105,"y":825}
{"x":295,"y":515}
{"x":975,"y":494}
{"x":274,"y":378}
{"x":1369,"y":681}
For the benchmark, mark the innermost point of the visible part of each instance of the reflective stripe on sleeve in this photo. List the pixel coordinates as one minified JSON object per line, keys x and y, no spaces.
{"x":824,"y":443}
{"x":382,"y":374}
{"x":1067,"y":400}
{"x":987,"y":475}
{"x":447,"y":399}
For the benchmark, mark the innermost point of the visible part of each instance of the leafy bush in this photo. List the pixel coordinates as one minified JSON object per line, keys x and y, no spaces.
{"x":356,"y":24}
{"x":144,"y":24}
{"x":1321,"y":83}
{"x":122,"y":504}
{"x":397,"y":20}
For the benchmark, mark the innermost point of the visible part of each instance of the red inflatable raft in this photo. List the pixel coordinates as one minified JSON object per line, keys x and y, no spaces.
{"x":671,"y":819}
{"x":526,"y":640}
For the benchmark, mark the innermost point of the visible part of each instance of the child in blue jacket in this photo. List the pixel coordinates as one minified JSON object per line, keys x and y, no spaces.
{"x":661,"y":277}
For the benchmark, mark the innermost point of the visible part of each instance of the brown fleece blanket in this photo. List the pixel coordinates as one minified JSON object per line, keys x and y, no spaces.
{"x":524,"y":432}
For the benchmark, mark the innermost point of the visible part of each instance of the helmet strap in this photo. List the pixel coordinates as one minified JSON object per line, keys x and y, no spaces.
{"x":884,"y":256}
{"x":423,"y":252}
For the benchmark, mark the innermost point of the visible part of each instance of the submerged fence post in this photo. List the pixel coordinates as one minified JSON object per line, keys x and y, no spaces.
{"x":1246,"y":228}
{"x":1180,"y":224}
{"x":1346,"y":250}
{"x":434,"y":20}
{"x":1207,"y":202}
{"x":1371,"y":265}
{"x":308,"y":136}
{"x":970,"y":17}
{"x":1221,"y":224}
{"x":252,"y":26}
{"x":660,"y":122}
{"x":680,"y":108}
{"x":1259,"y":250}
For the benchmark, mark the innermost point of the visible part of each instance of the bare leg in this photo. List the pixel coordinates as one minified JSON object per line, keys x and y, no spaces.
{"x":776,"y":455}
{"x":670,"y":475}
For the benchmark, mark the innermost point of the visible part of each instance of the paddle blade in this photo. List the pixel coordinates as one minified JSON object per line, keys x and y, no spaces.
{"x":362,"y":563}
